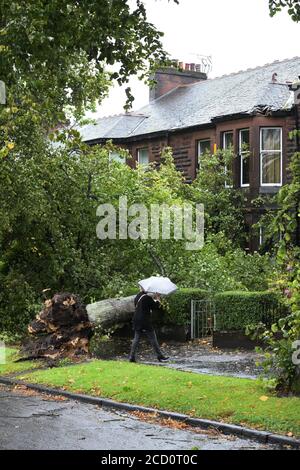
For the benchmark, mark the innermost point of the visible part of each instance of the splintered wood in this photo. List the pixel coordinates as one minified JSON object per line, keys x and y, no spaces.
{"x":61,"y":329}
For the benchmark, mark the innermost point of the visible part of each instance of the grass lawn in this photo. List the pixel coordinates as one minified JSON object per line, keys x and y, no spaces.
{"x":232,"y":400}
{"x":10,"y":367}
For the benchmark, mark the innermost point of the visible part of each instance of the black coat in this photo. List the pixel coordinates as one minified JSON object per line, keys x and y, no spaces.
{"x":144,"y":305}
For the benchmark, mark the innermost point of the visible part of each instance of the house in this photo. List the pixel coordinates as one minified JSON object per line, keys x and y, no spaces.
{"x":191,"y":113}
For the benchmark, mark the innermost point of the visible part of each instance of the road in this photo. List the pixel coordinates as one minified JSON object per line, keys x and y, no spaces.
{"x":34,"y":421}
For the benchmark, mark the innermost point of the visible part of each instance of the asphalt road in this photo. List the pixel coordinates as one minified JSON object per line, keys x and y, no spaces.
{"x":34,"y":421}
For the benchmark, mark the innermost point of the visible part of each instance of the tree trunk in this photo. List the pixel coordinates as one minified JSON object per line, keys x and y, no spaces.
{"x":111,"y":312}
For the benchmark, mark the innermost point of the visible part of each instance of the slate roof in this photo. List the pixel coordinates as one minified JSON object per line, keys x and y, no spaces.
{"x":200,"y":103}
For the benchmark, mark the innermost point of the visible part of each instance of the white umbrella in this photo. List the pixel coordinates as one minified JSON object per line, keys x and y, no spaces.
{"x":158,"y":284}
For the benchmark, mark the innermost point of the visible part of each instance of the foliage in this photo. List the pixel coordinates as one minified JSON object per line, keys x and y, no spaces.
{"x":51,"y":183}
{"x":224,"y":204}
{"x":219,"y":266}
{"x":237,"y":310}
{"x":293,"y":7}
{"x":287,"y":221}
{"x":230,"y":399}
{"x":253,"y":271}
{"x":70,"y":45}
{"x":178,"y":304}
{"x":48,"y":237}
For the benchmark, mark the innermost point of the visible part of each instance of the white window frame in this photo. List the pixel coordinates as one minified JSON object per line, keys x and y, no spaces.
{"x":227,"y":186}
{"x":270,"y":151}
{"x":138,"y":155}
{"x":199,"y":153}
{"x":261,"y":235}
{"x":241,"y":153}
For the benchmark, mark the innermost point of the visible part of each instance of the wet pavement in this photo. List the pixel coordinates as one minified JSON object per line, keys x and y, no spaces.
{"x":195,"y":356}
{"x":29,"y":420}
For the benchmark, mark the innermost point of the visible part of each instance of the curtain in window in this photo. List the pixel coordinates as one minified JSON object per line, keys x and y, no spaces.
{"x":271,"y":154}
{"x":270,"y":168}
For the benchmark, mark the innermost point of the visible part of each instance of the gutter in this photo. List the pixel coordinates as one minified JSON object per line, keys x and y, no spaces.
{"x":163,"y":133}
{"x":211,"y":125}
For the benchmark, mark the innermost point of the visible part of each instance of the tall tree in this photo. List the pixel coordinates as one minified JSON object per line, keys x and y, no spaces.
{"x":293,"y":7}
{"x":57,"y":51}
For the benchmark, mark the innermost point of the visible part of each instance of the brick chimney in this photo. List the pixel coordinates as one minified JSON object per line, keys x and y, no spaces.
{"x":168,"y":78}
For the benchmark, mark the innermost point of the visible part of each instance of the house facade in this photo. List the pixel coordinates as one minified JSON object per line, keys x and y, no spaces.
{"x":254,"y":109}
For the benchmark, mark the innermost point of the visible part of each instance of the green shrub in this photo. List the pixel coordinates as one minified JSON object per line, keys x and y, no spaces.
{"x":18,"y":305}
{"x":238,"y":309}
{"x":131,"y":290}
{"x":178,"y":304}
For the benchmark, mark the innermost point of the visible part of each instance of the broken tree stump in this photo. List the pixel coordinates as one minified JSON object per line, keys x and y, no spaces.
{"x":61,"y":329}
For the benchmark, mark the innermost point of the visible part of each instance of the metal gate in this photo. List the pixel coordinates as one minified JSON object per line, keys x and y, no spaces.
{"x":203,"y":318}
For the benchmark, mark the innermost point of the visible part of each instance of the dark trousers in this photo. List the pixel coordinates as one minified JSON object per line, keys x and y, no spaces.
{"x":151,"y":335}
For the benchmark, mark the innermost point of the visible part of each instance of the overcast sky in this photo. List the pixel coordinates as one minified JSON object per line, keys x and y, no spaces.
{"x":238,"y":34}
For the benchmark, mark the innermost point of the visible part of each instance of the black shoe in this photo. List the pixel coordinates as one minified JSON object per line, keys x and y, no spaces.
{"x":132,"y":359}
{"x":163,"y":358}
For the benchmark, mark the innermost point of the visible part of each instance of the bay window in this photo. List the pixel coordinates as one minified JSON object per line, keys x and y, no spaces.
{"x":271,"y":156}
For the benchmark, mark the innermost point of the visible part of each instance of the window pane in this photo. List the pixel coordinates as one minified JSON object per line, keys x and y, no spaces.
{"x":244,"y":143}
{"x":244,"y":139}
{"x":271,"y":139}
{"x":116,"y":157}
{"x":270,"y":168}
{"x":228,"y":140}
{"x":245,"y":169}
{"x":143,"y":156}
{"x":204,"y":146}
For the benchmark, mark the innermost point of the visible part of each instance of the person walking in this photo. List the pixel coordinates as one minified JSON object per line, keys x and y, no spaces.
{"x":142,"y":324}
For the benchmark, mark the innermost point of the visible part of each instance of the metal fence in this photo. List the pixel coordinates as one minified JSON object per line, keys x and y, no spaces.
{"x":202,"y":318}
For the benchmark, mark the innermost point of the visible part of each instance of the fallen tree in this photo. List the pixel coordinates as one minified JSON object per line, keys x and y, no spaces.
{"x":65,"y":325}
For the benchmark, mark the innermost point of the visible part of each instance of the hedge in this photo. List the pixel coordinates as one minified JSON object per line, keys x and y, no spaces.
{"x":234,"y":310}
{"x":237,"y":309}
{"x":179,"y":304}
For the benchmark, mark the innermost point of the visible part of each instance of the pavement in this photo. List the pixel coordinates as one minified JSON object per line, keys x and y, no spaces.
{"x":35,"y":421}
{"x":194,"y":356}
